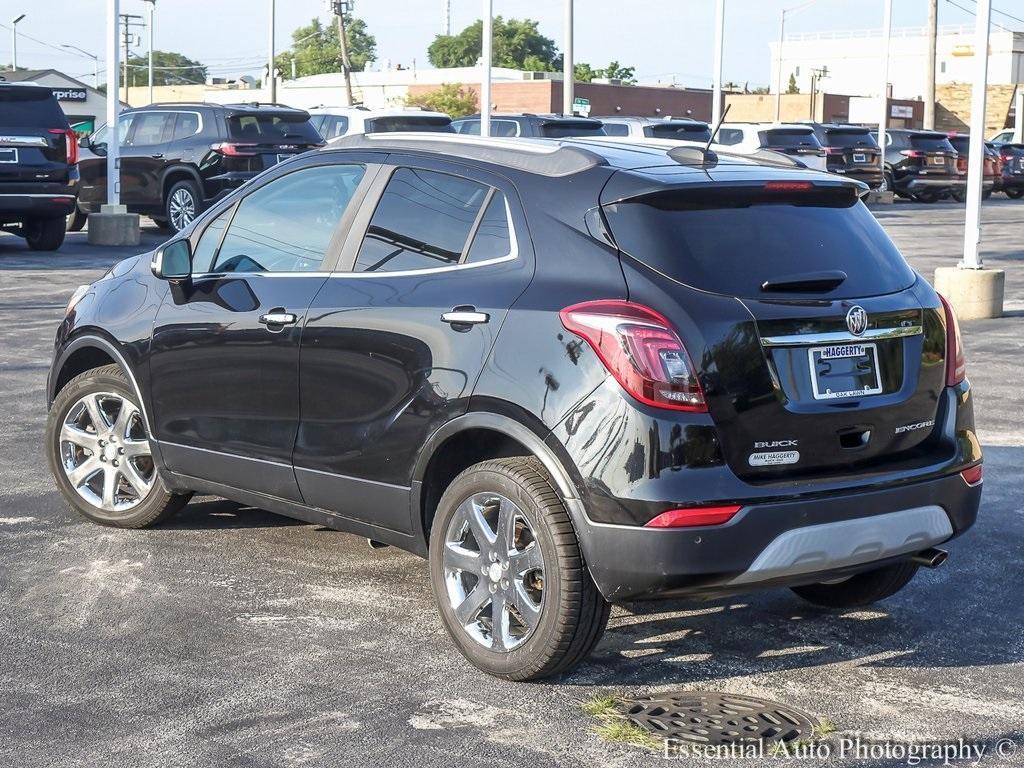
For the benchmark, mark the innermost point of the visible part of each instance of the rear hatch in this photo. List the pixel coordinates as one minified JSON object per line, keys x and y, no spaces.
{"x":404,"y":123}
{"x":799,"y":143}
{"x":566,"y":127}
{"x":851,"y":148}
{"x":680,"y":130}
{"x":261,"y":138}
{"x":931,"y":154}
{"x":819,"y":351}
{"x":36,"y":142}
{"x":962,"y":144}
{"x":1012,"y":157}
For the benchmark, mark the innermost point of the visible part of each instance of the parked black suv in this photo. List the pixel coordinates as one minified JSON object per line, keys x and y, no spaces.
{"x":38,"y":175}
{"x":177,"y":159}
{"x":1011,"y":169}
{"x":567,"y":373}
{"x":921,"y":165}
{"x":531,"y":126}
{"x":852,"y":151}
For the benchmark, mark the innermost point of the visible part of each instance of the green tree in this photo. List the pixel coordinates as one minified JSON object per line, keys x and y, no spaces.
{"x":586,"y":73}
{"x":450,"y":98}
{"x":792,"y":87}
{"x":169,"y":68}
{"x":316,"y":50}
{"x":517,"y":45}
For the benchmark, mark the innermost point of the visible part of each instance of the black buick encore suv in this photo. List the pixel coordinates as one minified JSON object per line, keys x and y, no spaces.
{"x":569,"y":373}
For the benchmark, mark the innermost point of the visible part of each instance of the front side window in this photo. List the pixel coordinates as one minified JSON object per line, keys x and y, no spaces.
{"x":287,"y":225}
{"x":424,"y":219}
{"x":206,"y":249}
{"x":151,"y":128}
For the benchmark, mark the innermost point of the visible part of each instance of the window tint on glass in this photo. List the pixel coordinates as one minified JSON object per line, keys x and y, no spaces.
{"x":333,"y":126}
{"x":151,"y":128}
{"x":263,"y":127}
{"x":186,"y":124}
{"x":498,"y":127}
{"x":25,"y":107}
{"x":423,"y":220}
{"x":206,"y":249}
{"x":616,"y":129}
{"x":730,"y":136}
{"x":287,"y":225}
{"x":99,"y":136}
{"x":492,"y":240}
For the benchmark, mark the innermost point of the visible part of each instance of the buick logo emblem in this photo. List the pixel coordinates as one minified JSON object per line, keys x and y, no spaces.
{"x":857,"y":320}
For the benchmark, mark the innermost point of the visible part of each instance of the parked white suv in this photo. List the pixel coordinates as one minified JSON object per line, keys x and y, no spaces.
{"x":677,"y":129}
{"x":334,"y":122}
{"x":796,"y":141}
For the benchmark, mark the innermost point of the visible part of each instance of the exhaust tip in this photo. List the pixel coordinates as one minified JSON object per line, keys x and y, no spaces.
{"x":931,"y":557}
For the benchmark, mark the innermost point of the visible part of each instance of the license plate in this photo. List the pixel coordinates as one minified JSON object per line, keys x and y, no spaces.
{"x":860,"y":157}
{"x":8,"y":155}
{"x":938,"y":161}
{"x":844,"y":370}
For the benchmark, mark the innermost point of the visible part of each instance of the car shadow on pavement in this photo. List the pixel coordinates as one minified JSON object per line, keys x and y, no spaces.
{"x":208,"y":513}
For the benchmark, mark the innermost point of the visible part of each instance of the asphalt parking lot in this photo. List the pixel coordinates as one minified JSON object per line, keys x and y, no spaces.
{"x":231,"y":636}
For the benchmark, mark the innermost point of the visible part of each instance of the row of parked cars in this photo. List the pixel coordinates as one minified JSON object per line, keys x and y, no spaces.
{"x":177,"y":159}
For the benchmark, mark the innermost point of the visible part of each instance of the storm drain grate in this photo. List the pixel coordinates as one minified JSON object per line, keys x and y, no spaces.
{"x":705,"y":717}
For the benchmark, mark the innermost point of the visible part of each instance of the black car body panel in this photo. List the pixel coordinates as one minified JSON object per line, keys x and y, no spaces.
{"x":851,"y":151}
{"x":348,"y":416}
{"x":921,"y":163}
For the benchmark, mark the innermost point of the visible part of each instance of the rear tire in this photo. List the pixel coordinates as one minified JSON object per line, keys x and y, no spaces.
{"x":926,"y":197}
{"x":45,"y":234}
{"x":863,"y":589}
{"x":84,"y":416}
{"x":182,"y":205}
{"x":960,"y":196}
{"x":1015,"y":194}
{"x":566,"y":615}
{"x":76,"y":220}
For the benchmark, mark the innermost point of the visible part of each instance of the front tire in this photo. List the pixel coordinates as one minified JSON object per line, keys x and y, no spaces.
{"x":506,"y":568}
{"x":76,"y":220}
{"x":182,"y":205}
{"x":45,"y":234}
{"x":862,"y":589}
{"x":1014,"y":193}
{"x":99,"y":453}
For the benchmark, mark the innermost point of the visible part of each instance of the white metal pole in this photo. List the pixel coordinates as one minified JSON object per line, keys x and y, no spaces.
{"x":883,"y":116}
{"x":113,"y":105}
{"x":152,"y":7}
{"x":270,"y":58}
{"x":716,"y":102}
{"x":778,"y":92}
{"x":1018,"y":115}
{"x":976,"y":152}
{"x":568,"y":68}
{"x":14,"y":42}
{"x":487,"y":55}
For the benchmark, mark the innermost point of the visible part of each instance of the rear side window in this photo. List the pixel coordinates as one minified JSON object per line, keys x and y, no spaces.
{"x":961,"y":144}
{"x":25,"y":107}
{"x":186,"y":124}
{"x":838,"y":137}
{"x":730,"y":241}
{"x":616,"y":129}
{"x":492,"y":239}
{"x":502,"y":128}
{"x":331,"y":126}
{"x":730,"y":136}
{"x":270,"y":128}
{"x":930,"y":143}
{"x":569,"y":128}
{"x":409,"y":123}
{"x":676,"y":131}
{"x":424,"y":220}
{"x":788,"y":138}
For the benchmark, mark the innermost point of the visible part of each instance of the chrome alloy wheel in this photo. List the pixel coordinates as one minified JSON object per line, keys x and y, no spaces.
{"x":493,"y":571}
{"x":182,"y":209}
{"x":105,"y":452}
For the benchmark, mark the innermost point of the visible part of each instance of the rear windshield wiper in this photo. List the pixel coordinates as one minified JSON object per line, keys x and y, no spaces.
{"x":806,"y":281}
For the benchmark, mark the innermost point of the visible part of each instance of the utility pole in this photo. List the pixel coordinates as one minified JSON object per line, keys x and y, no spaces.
{"x":486,"y":56}
{"x":883,"y":120}
{"x":716,"y":98}
{"x":270,"y":60}
{"x":152,"y":8}
{"x":446,"y":17}
{"x":128,"y":20}
{"x":929,"y":96}
{"x":778,"y":93}
{"x":14,"y":42}
{"x":341,"y":7}
{"x":568,"y":68}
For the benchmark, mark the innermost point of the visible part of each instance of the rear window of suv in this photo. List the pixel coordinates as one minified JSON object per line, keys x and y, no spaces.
{"x":930,"y":142}
{"x":695,"y":132}
{"x":397,"y":123}
{"x":562,"y":129}
{"x":850,"y":137}
{"x":730,"y":240}
{"x":789,"y":138}
{"x":27,"y":107}
{"x":271,"y":128}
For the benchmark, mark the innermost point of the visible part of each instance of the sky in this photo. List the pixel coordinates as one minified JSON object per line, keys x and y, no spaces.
{"x":665,"y":40}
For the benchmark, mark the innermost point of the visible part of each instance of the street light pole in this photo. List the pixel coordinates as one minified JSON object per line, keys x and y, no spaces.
{"x":778,"y":92}
{"x":152,"y":8}
{"x":270,"y":59}
{"x":883,"y":120}
{"x":568,"y":68}
{"x":95,"y":61}
{"x":976,"y":150}
{"x":113,"y":107}
{"x":716,"y":102}
{"x":14,"y":42}
{"x":487,"y":53}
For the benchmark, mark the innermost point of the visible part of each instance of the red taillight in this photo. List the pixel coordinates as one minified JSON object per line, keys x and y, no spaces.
{"x":233,"y":149}
{"x":971,"y":476}
{"x":787,"y":186}
{"x":834,"y":150}
{"x":956,"y":363}
{"x":71,"y":140}
{"x":690,"y":517}
{"x":639,"y":348}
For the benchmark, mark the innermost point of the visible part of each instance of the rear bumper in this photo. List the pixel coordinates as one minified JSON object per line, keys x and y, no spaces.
{"x":870,"y":176}
{"x":937,"y":184}
{"x":779,"y":544}
{"x":19,"y":205}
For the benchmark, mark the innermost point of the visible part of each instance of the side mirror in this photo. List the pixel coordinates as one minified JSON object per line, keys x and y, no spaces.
{"x":173,"y":261}
{"x":83,"y":142}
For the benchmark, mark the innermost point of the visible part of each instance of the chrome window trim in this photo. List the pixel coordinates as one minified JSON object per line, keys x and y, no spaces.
{"x":835,"y":337}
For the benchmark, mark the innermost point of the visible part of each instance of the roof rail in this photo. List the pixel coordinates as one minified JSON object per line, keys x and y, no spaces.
{"x":543,"y":157}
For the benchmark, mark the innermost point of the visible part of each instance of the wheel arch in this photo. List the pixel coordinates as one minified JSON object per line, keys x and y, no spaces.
{"x":177,"y":173}
{"x":443,"y":457}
